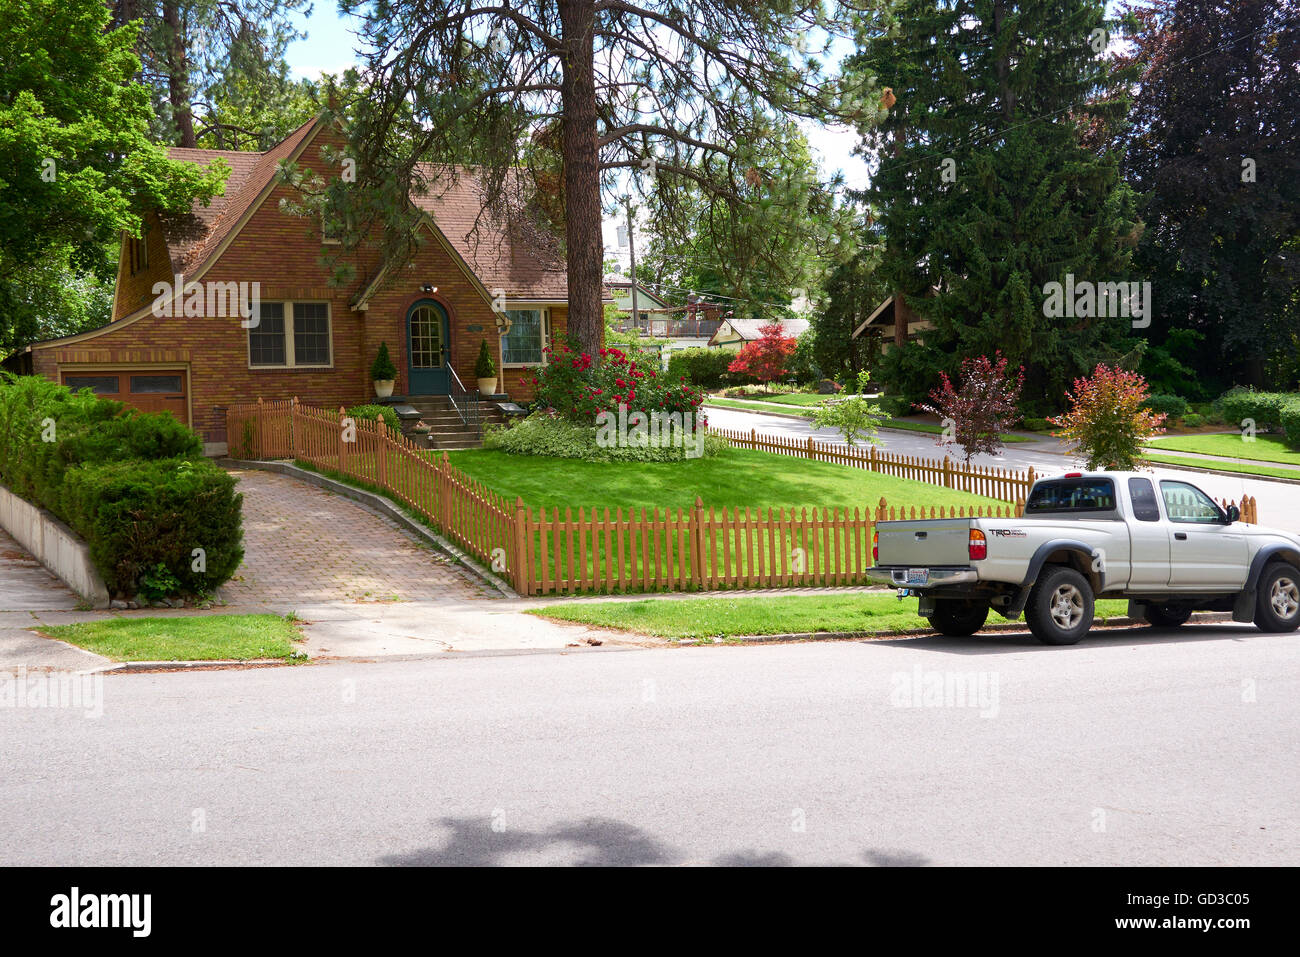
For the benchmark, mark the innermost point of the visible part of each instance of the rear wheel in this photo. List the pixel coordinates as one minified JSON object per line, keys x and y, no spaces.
{"x":1167,"y":616}
{"x":1060,"y":606}
{"x":1277,"y":607}
{"x":958,"y":617}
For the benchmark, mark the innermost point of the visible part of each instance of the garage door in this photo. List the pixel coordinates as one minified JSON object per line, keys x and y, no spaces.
{"x":149,"y":390}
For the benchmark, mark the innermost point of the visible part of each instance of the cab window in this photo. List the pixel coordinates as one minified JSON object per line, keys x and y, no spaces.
{"x":1072,"y":495}
{"x":1187,"y":503}
{"x":1143,"y":495}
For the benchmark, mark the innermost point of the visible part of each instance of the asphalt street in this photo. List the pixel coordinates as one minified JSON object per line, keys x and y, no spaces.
{"x":1126,"y":749}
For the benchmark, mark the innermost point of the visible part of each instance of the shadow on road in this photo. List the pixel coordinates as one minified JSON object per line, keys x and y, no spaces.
{"x":999,"y":642}
{"x":593,"y":842}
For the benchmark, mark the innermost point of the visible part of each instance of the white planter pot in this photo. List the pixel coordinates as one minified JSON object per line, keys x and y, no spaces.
{"x":487,"y":386}
{"x":384,"y":387}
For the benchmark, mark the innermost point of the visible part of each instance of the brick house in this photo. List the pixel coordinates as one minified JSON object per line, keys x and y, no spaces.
{"x":311,"y":339}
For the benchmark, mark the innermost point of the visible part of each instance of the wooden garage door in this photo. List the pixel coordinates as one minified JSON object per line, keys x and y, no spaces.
{"x":149,"y":390}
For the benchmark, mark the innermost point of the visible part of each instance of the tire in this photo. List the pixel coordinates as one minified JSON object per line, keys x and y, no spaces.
{"x":1277,"y":605}
{"x":1167,"y":616}
{"x":1060,"y":606}
{"x":957,"y":618}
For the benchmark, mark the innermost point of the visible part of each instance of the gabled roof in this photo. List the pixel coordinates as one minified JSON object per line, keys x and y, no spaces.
{"x":751,"y":329}
{"x":516,"y":259}
{"x":194,"y":237}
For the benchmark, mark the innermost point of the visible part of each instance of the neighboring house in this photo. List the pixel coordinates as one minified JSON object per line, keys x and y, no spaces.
{"x":886,"y":332}
{"x":734,"y":333}
{"x":311,"y":339}
{"x":620,"y":287}
{"x":670,"y":327}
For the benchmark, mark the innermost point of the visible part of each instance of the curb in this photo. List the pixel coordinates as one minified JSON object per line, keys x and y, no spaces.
{"x":1200,"y":617}
{"x":128,"y":666}
{"x":1236,"y":475}
{"x":383,"y":505}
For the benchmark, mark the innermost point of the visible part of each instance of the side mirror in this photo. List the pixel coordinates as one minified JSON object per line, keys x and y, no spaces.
{"x":1233,"y":514}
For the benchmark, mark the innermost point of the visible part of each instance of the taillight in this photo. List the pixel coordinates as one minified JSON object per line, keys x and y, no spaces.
{"x":979,"y":548}
{"x":875,"y":545}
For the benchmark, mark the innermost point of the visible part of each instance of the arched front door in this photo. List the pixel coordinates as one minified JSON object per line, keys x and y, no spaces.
{"x":428,"y":349}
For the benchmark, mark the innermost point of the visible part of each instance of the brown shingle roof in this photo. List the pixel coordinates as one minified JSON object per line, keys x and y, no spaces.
{"x":518,"y":259}
{"x":194,"y":237}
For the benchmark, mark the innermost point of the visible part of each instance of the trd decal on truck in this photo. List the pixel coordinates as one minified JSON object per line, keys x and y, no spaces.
{"x":1009,"y":532}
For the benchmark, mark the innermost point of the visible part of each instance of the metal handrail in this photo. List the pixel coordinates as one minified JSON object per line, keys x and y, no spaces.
{"x":470,"y":404}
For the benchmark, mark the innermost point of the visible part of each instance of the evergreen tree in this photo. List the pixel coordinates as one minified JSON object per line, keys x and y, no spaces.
{"x":1215,"y":150}
{"x":987,"y":191}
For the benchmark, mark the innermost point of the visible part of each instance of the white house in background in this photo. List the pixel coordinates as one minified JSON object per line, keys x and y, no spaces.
{"x":647,"y":303}
{"x":734,"y":333}
{"x":884,"y":330}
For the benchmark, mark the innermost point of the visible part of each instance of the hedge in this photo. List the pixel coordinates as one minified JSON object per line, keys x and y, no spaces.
{"x":1174,"y":406}
{"x":706,"y":368}
{"x":134,"y":485}
{"x":374,"y":411}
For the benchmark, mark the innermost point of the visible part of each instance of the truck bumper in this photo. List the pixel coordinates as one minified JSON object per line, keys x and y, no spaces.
{"x":935,"y":577}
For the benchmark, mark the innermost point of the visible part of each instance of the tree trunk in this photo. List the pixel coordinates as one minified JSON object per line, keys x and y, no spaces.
{"x":582,"y":175}
{"x":178,"y":73}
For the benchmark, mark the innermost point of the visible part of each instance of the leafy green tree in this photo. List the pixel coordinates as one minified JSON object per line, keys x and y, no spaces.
{"x":854,"y":416}
{"x":853,"y":292}
{"x":1108,"y":423}
{"x":1214,"y":148}
{"x":216,"y":69}
{"x":580,"y":89}
{"x":76,"y":165}
{"x":986,"y":188}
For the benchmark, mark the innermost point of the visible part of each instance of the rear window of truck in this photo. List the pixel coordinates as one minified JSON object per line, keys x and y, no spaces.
{"x":1072,"y":495}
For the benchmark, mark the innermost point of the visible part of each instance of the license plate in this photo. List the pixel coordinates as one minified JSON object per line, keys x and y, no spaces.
{"x":918,"y":576}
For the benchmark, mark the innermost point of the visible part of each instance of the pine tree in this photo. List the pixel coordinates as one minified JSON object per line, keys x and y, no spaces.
{"x":987,"y":191}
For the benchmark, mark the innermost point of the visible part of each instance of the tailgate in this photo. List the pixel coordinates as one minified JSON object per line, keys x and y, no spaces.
{"x":932,"y":542}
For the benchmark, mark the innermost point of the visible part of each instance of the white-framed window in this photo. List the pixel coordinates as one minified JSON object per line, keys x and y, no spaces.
{"x":331,"y":230}
{"x":528,"y":336}
{"x":291,"y":335}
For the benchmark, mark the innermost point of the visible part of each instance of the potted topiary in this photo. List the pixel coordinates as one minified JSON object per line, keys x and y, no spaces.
{"x":486,"y":371}
{"x":383,"y":373}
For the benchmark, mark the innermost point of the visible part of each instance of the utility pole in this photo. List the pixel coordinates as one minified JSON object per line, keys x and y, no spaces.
{"x":631,"y":246}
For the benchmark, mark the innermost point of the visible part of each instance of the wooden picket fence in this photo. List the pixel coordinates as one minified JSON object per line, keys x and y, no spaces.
{"x":648,"y":549}
{"x":1007,"y":485}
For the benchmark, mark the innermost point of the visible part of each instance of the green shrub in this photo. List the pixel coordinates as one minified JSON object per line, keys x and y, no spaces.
{"x":1264,"y":408}
{"x":1174,"y":406}
{"x":704,"y":368}
{"x":894,"y":405}
{"x":382,"y":369}
{"x":1291,"y":422}
{"x":372,"y":412}
{"x":139,"y":514}
{"x":1193,"y":420}
{"x":484,"y":367}
{"x":134,"y":485}
{"x":1037,"y":425}
{"x":542,"y":434}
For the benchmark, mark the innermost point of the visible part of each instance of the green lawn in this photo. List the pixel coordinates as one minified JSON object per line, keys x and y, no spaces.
{"x":1219,"y":465}
{"x":876,"y":613}
{"x":793,"y":398}
{"x":736,"y":477}
{"x":196,"y":638}
{"x":1263,"y":449}
{"x":905,"y":425}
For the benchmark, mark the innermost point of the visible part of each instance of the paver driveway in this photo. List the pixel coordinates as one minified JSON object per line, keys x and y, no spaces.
{"x":303,"y":544}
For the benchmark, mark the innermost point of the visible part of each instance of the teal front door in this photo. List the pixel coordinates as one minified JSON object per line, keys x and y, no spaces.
{"x":427,"y":349}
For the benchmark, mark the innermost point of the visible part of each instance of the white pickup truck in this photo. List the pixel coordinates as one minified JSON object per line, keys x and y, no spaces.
{"x":1163,"y":544}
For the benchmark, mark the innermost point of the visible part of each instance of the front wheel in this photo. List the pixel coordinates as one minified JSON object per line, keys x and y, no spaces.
{"x":1277,"y":607}
{"x":1060,"y":606}
{"x":957,"y":617}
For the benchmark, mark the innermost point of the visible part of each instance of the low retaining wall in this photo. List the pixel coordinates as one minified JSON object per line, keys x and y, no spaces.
{"x":54,"y":545}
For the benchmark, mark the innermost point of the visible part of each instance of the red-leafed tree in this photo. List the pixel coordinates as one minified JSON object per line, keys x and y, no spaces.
{"x":765,"y":359}
{"x":1107,"y":421}
{"x":976,"y":414}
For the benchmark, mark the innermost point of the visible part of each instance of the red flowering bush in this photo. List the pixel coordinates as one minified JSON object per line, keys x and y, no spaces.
{"x":1107,"y":422}
{"x":768,"y":357}
{"x":579,"y":386}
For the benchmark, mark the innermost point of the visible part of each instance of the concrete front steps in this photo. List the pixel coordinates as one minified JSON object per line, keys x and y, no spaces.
{"x":447,"y":431}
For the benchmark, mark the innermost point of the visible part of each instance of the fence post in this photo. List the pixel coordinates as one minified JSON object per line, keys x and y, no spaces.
{"x":1033,"y":477}
{"x":753,"y":438}
{"x":880,"y":510}
{"x":808,"y":453}
{"x":871,"y":460}
{"x":261,"y":427}
{"x":519,"y":549}
{"x":381,"y":453}
{"x":343,"y":445}
{"x":1020,"y":507}
{"x":697,"y":543}
{"x":947,"y":472}
{"x":293,"y":428}
{"x":444,"y":493}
